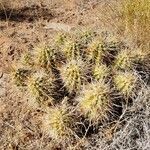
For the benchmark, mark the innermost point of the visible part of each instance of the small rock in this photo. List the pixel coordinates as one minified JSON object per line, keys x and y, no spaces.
{"x":59,"y":27}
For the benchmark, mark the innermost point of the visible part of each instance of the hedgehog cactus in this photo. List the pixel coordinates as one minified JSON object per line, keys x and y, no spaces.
{"x":125,"y":82}
{"x":41,"y":87}
{"x":100,"y":71}
{"x":45,"y":56}
{"x":57,"y":123}
{"x":20,"y":76}
{"x":71,"y":50}
{"x":85,"y":38}
{"x":128,"y":59}
{"x":27,"y":59}
{"x":60,"y":39}
{"x":73,"y":74}
{"x":94,"y":101}
{"x":95,"y":51}
{"x":124,"y":60}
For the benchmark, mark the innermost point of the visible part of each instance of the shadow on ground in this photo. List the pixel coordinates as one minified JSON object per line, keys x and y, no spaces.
{"x":26,"y":14}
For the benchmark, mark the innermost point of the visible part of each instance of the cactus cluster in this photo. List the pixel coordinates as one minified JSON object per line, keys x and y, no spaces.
{"x":92,"y":70}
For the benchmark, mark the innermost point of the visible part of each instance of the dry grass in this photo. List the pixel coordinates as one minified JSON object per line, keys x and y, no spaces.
{"x":136,"y":15}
